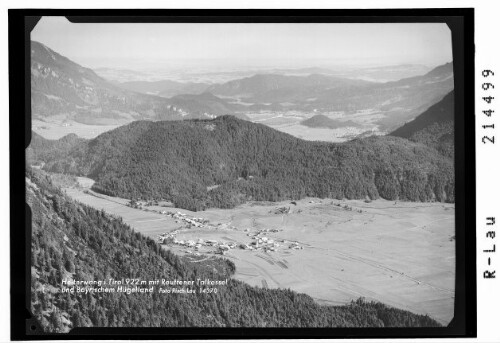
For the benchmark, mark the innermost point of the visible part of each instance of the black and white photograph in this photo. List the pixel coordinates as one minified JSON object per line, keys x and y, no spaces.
{"x":231,"y":174}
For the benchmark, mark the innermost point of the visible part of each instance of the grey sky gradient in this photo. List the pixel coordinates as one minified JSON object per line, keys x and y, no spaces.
{"x":135,"y":45}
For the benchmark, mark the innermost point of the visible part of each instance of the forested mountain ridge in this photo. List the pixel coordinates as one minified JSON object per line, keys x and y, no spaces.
{"x":43,"y":150}
{"x":76,"y":242}
{"x":179,"y":160}
{"x":434,"y":127}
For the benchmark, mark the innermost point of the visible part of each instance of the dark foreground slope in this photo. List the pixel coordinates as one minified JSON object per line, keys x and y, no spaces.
{"x":434,"y":127}
{"x":246,"y":161}
{"x":73,"y":241}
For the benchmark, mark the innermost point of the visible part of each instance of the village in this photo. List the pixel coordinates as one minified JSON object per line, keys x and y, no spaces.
{"x":259,"y":240}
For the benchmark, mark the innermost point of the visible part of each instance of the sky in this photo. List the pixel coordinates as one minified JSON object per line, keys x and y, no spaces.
{"x":136,"y":45}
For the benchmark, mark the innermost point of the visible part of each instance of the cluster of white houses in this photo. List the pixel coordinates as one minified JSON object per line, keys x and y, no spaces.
{"x":260,"y":241}
{"x":182,"y":217}
{"x":221,"y":247}
{"x":269,"y":244}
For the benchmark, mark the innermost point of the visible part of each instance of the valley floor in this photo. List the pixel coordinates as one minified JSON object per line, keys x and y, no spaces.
{"x":399,"y":253}
{"x":56,"y":129}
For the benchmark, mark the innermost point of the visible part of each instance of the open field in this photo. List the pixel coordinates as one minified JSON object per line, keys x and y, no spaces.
{"x":320,"y":134}
{"x":289,"y":122}
{"x":58,"y":129}
{"x":399,"y":253}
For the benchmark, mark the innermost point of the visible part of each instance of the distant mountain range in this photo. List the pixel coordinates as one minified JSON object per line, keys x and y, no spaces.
{"x":181,"y":160}
{"x":434,"y":127}
{"x":322,"y":121}
{"x":384,"y":73}
{"x":275,"y":88}
{"x":63,"y":88}
{"x":368,"y":73}
{"x":119,"y":75}
{"x":399,"y":100}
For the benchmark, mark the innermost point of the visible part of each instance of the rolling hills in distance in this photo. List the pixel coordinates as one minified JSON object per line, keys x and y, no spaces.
{"x":434,"y":127}
{"x":227,"y":161}
{"x":320,"y":93}
{"x":153,"y":77}
{"x":401,"y":99}
{"x":165,"y":88}
{"x":270,"y":88}
{"x":381,"y":73}
{"x":65,"y":90}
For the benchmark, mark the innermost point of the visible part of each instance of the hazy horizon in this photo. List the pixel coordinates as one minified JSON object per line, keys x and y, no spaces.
{"x":236,"y":46}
